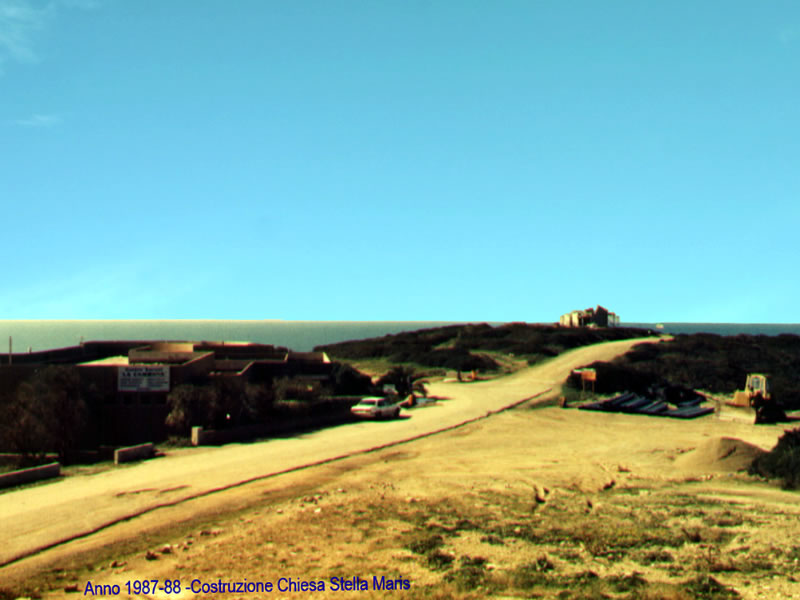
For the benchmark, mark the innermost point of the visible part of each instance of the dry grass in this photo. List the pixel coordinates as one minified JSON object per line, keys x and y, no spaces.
{"x":448,"y":547}
{"x":474,"y":534}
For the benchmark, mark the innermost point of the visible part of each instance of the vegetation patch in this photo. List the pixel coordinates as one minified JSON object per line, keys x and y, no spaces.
{"x":719,"y":364}
{"x":782,"y":462}
{"x":533,"y":574}
{"x":493,"y":540}
{"x":627,"y":583}
{"x":469,"y":347}
{"x":708,"y":588}
{"x":470,"y":574}
{"x":438,"y":560}
{"x":651,"y":557}
{"x":724,"y":519}
{"x":426,"y":544}
{"x":6,"y":594}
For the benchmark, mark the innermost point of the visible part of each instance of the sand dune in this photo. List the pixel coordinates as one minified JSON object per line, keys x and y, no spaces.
{"x":720,"y":454}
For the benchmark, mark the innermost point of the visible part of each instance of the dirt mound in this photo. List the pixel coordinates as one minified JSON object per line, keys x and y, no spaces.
{"x":720,"y":454}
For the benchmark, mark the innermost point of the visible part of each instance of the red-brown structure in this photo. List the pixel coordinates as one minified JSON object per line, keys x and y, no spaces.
{"x":128,"y":381}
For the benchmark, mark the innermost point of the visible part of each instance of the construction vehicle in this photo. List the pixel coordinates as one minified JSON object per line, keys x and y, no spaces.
{"x":757,"y":400}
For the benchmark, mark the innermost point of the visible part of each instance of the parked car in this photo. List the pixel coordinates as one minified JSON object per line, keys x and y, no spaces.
{"x":376,"y":407}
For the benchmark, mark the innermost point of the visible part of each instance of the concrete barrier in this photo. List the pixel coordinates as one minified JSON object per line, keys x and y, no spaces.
{"x":212,"y":437}
{"x":29,"y":475}
{"x":218,"y":437}
{"x":131,"y":453}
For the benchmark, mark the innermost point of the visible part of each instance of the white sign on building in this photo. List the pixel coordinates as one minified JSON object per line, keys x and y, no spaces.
{"x":143,"y":379}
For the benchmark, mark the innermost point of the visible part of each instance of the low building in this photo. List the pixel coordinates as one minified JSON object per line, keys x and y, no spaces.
{"x":126,"y":383}
{"x":590,"y":317}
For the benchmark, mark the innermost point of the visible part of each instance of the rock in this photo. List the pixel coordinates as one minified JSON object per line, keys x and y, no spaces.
{"x":151,"y":555}
{"x":73,"y":587}
{"x":411,"y":500}
{"x":166,"y":549}
{"x":117,"y":563}
{"x":317,"y":510}
{"x":540,"y":493}
{"x":341,"y":490}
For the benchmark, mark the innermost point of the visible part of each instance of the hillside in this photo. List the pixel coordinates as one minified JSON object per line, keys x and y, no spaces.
{"x":718,"y":364}
{"x":468,"y":347}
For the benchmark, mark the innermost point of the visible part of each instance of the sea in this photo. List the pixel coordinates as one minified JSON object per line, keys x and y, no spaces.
{"x":36,"y":335}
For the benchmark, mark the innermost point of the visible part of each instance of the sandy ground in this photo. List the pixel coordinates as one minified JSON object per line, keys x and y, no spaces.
{"x":42,"y":516}
{"x":531,"y":502}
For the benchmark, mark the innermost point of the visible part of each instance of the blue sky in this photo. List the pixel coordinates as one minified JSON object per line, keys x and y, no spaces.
{"x":408,"y":160}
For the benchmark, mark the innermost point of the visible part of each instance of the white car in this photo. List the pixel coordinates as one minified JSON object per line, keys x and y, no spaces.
{"x":376,"y":407}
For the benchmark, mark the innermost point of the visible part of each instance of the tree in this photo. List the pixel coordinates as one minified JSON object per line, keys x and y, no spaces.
{"x":295,"y":388}
{"x":257,"y":402}
{"x":48,"y":414}
{"x":405,"y":380}
{"x":192,"y":405}
{"x":223,"y":402}
{"x":349,"y":381}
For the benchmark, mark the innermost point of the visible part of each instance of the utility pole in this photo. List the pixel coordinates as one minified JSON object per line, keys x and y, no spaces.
{"x":9,"y":350}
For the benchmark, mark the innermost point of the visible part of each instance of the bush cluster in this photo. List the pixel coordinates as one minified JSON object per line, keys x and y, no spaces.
{"x":405,"y":380}
{"x":782,"y":462}
{"x":46,"y":413}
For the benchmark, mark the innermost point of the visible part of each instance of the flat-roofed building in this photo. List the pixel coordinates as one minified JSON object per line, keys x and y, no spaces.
{"x":126,"y":383}
{"x":590,"y":317}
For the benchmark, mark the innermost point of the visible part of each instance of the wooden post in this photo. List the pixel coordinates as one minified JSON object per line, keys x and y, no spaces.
{"x":9,"y":350}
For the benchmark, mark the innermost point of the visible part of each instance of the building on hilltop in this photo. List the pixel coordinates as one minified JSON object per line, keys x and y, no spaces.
{"x":590,"y":317}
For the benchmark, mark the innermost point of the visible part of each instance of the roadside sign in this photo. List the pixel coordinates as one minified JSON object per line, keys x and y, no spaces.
{"x":587,"y":374}
{"x":143,"y":379}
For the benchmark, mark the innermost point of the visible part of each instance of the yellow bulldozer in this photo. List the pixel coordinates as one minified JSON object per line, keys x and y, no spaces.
{"x":756,"y":399}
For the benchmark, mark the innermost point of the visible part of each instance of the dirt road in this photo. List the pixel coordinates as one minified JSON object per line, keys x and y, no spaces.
{"x":40,"y":517}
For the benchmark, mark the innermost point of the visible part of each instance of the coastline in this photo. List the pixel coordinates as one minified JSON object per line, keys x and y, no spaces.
{"x":46,"y":334}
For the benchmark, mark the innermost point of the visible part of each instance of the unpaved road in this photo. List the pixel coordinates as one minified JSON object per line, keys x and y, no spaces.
{"x":39,"y":517}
